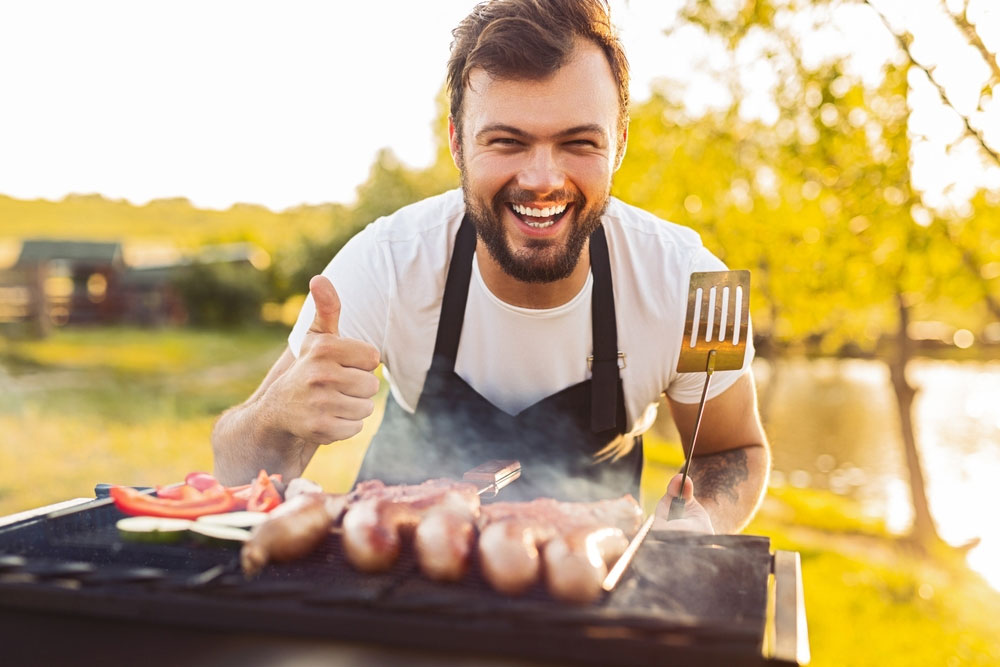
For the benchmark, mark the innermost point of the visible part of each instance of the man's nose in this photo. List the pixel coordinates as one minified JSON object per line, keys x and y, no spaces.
{"x":542,"y":173}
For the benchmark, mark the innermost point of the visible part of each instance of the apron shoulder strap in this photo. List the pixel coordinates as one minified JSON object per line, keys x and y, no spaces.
{"x":604,"y":368}
{"x":456,"y":293}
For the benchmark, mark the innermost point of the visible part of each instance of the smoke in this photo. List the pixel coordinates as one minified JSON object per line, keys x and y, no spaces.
{"x":552,"y":442}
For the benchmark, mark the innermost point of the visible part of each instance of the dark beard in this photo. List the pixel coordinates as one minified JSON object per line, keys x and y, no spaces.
{"x":541,"y":260}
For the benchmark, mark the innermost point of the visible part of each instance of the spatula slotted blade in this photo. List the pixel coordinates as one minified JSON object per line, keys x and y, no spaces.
{"x":717,"y":316}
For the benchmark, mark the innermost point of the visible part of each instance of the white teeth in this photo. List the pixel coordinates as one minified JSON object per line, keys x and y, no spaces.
{"x":539,"y":212}
{"x":540,"y":225}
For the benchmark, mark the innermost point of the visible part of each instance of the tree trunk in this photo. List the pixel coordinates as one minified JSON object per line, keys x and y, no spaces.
{"x":924,"y":531}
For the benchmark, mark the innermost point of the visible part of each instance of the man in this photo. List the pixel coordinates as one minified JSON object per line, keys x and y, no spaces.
{"x":528,"y":315}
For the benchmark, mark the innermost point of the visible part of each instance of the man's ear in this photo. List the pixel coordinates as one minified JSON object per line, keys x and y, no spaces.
{"x":454,"y":143}
{"x":621,"y":148}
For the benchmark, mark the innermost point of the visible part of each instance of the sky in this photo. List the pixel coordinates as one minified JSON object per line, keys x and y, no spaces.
{"x":280,"y":104}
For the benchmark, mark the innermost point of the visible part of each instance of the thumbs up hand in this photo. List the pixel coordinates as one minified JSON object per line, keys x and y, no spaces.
{"x":327,"y":392}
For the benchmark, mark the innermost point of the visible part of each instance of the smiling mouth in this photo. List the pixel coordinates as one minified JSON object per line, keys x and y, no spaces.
{"x":539,"y":218}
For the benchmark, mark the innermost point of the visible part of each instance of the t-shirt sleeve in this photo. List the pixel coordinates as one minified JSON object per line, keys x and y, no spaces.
{"x":360,"y":273}
{"x":687,"y":387}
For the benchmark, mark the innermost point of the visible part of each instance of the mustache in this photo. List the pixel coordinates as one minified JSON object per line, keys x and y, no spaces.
{"x":516,"y":195}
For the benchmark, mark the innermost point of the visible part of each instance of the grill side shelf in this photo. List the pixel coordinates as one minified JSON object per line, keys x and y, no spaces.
{"x":40,"y":512}
{"x":791,"y":635}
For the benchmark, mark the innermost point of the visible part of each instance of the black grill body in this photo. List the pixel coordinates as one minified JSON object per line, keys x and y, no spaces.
{"x":70,"y":588}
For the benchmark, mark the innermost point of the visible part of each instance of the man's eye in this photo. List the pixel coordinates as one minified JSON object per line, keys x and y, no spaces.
{"x":584,"y":143}
{"x":504,"y":141}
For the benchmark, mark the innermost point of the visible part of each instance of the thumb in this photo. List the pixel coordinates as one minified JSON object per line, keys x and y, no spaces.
{"x":327,"y":306}
{"x":674,"y":487}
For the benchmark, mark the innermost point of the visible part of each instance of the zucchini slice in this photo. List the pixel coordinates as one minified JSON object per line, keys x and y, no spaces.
{"x":208,"y":533}
{"x":234,"y":519}
{"x":153,"y":529}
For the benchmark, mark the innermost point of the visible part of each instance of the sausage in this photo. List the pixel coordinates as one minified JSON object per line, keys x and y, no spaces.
{"x":443,"y":542}
{"x":371,"y":535}
{"x":374,"y":530}
{"x":296,"y":531}
{"x":443,"y":538}
{"x":375,"y":527}
{"x":508,"y":556}
{"x":624,"y":513}
{"x":578,"y":542}
{"x":300,"y":485}
{"x":576,"y":562}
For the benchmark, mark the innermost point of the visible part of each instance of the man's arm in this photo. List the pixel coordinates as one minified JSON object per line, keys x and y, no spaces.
{"x":243,"y":441}
{"x":731,"y":458}
{"x":320,"y":397}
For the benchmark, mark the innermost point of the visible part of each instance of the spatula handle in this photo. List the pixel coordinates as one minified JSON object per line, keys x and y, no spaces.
{"x":676,"y":508}
{"x":677,"y":504}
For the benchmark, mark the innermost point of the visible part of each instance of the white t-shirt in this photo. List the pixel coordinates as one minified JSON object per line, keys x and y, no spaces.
{"x":390,"y":278}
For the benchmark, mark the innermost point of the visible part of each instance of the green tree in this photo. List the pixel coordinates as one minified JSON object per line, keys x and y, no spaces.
{"x":818,"y":201}
{"x":390,"y":186}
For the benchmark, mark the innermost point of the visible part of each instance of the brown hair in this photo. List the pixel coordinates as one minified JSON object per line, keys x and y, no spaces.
{"x":531,"y":39}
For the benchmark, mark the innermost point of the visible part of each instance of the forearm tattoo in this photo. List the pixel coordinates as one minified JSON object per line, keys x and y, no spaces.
{"x":719,"y":474}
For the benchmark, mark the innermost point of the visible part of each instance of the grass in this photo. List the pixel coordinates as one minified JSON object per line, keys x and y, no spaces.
{"x":136,"y":407}
{"x":130,"y":406}
{"x":871,"y":599}
{"x":117,"y":405}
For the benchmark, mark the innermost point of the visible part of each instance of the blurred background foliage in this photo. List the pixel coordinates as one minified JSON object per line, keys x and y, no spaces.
{"x":819,"y":201}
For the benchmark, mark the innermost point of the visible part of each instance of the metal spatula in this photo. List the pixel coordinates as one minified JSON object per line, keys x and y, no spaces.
{"x":715,"y":339}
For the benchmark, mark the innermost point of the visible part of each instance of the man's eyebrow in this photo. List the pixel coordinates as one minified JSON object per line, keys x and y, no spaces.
{"x":589,"y":128}
{"x":500,"y":127}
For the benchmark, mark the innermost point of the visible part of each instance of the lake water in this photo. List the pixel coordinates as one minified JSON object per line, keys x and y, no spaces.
{"x":834,"y":425}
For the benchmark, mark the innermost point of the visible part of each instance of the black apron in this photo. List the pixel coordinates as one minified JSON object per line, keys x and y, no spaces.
{"x":454,"y":428}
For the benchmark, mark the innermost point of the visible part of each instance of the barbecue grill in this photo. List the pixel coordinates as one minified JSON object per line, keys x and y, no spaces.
{"x":72,"y":590}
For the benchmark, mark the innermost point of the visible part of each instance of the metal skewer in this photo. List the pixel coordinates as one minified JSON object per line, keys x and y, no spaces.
{"x":616,"y":572}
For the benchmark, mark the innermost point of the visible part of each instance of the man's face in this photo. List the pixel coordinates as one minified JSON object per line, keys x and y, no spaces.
{"x":536,"y":159}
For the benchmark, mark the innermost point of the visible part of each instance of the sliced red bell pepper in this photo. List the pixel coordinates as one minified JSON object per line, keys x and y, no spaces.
{"x":178,"y":492}
{"x":241,"y":494}
{"x":201,"y":481}
{"x":133,"y":502}
{"x":264,"y":497}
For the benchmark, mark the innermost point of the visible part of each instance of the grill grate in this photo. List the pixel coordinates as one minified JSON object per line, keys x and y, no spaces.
{"x":706,"y":592}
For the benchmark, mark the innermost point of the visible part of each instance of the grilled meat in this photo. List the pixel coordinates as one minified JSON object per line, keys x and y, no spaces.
{"x":571,"y":543}
{"x":295,"y":531}
{"x":576,"y":561}
{"x":508,"y":555}
{"x":577,"y":542}
{"x":381,"y":517}
{"x":444,"y":539}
